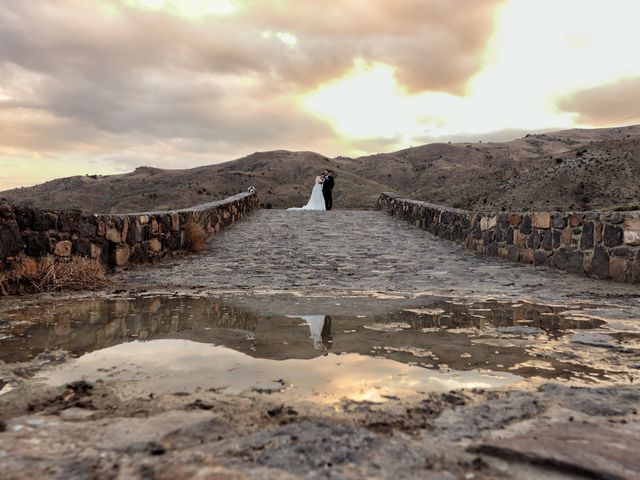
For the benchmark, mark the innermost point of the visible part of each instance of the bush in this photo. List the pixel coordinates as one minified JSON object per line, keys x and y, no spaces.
{"x":194,"y":237}
{"x":626,"y":208}
{"x":29,"y":275}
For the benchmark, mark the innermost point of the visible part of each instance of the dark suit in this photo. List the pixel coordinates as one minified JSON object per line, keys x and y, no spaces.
{"x":327,"y":189}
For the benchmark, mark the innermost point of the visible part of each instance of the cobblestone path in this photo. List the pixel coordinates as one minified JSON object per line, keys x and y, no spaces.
{"x":357,"y":251}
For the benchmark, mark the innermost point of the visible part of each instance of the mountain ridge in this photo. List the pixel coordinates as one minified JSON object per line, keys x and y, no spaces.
{"x":562,"y":170}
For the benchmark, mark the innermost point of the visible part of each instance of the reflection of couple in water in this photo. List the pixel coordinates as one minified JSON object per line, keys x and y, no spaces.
{"x":320,"y":328}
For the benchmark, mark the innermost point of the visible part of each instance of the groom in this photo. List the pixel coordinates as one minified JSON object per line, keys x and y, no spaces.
{"x":327,"y":188}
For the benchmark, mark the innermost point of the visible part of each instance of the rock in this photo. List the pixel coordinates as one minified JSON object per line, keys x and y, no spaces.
{"x":600,"y":263}
{"x":567,"y":236}
{"x":154,"y":245}
{"x":540,"y":257}
{"x":96,"y":250}
{"x":632,"y":231}
{"x":586,"y":239}
{"x":525,"y":225}
{"x":613,"y":235}
{"x":526,"y":256}
{"x":542,"y":220}
{"x":112,"y":234}
{"x":618,"y":268}
{"x":10,"y":239}
{"x":63,"y":248}
{"x":583,"y":449}
{"x":597,"y":232}
{"x":121,"y":255}
{"x":559,"y":220}
{"x":515,"y":219}
{"x":37,"y":244}
{"x":575,"y":260}
{"x":575,"y":220}
{"x":175,"y":222}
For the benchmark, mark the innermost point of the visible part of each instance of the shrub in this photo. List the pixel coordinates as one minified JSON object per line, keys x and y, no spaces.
{"x":194,"y":237}
{"x":29,"y":275}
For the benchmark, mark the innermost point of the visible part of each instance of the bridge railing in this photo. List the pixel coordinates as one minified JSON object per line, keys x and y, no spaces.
{"x":603,"y":245}
{"x":116,"y":239}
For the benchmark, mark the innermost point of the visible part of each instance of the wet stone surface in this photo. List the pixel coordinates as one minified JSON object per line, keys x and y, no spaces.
{"x":344,"y":251}
{"x":343,"y":345}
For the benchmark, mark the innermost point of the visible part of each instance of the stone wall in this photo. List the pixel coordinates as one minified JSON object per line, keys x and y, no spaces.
{"x":116,"y":239}
{"x":602,"y":245}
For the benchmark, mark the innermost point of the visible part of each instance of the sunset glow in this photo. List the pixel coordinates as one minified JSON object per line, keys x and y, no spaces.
{"x":114,"y":84}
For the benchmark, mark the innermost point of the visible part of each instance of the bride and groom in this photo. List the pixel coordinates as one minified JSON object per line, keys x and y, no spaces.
{"x":321,"y":195}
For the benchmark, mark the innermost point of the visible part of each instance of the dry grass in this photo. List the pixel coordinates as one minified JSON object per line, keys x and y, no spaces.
{"x":29,"y":275}
{"x":195,"y":237}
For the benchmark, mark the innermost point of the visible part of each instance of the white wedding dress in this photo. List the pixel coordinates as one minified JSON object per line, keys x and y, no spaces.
{"x":316,"y":202}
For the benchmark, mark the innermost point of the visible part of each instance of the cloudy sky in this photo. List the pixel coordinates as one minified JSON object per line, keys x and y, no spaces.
{"x":103,"y":86}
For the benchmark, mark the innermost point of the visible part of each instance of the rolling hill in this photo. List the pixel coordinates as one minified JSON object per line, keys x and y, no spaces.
{"x":577,"y":169}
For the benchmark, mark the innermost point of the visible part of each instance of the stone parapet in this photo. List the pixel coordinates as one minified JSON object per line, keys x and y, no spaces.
{"x":604,"y":245}
{"x":117,"y":239}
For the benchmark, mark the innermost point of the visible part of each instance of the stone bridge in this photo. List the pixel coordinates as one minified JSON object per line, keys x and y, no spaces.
{"x":357,"y":251}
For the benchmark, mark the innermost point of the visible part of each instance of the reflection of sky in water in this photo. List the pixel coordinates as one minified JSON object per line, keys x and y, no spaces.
{"x":165,"y":366}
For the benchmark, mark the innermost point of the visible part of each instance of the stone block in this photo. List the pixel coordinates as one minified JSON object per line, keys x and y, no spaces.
{"x":541,"y":220}
{"x":112,"y":234}
{"x":566,"y":237}
{"x":134,"y":235}
{"x":514,"y":253}
{"x":597,"y":232}
{"x":154,"y":245}
{"x":559,"y":220}
{"x":503,"y":252}
{"x":81,"y":246}
{"x":587,"y":238}
{"x":63,"y":248}
{"x":534,"y":240}
{"x":613,"y":235}
{"x":586,"y":262}
{"x":10,"y":239}
{"x":515,"y":219}
{"x":600,"y":263}
{"x":101,"y":230}
{"x":632,"y":231}
{"x":575,"y":220}
{"x":143,"y":219}
{"x":526,"y":256}
{"x":155,"y":227}
{"x":86,"y":230}
{"x":125,"y":229}
{"x":37,"y":244}
{"x":635,"y":269}
{"x":560,"y":259}
{"x":175,"y":222}
{"x":575,"y":261}
{"x":540,"y":257}
{"x":96,"y":250}
{"x":121,"y":255}
{"x":519,"y":239}
{"x":618,"y":268}
{"x":525,"y":225}
{"x":492,"y":249}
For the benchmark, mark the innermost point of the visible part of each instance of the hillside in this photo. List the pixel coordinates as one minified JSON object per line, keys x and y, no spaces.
{"x":571,"y":169}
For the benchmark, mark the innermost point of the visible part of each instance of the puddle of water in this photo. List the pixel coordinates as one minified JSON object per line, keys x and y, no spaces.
{"x":169,"y":366}
{"x":168,"y":344}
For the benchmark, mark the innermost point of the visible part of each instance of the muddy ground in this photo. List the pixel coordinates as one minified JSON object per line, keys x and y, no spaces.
{"x":95,"y":428}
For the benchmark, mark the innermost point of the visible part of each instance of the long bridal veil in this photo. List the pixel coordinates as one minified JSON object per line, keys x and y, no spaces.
{"x":316,"y":202}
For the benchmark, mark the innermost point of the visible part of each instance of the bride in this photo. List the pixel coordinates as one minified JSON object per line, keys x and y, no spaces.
{"x":316,"y":202}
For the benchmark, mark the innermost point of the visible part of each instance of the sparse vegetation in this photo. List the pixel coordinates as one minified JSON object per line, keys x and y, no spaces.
{"x":48,"y":274}
{"x":627,"y":208}
{"x":195,"y":236}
